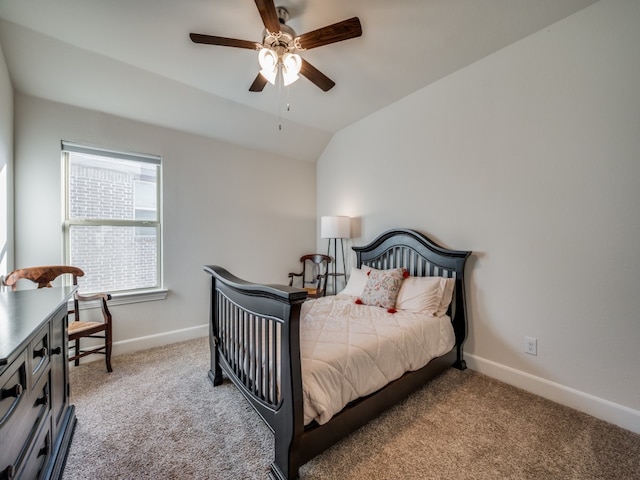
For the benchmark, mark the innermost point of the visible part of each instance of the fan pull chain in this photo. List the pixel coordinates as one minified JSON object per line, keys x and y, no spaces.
{"x":280,"y":101}
{"x":279,"y":97}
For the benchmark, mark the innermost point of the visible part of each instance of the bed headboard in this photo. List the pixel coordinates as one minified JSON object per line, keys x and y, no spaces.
{"x":422,"y":258}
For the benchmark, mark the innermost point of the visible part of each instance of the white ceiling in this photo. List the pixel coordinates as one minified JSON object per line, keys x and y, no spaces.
{"x":134,"y":59}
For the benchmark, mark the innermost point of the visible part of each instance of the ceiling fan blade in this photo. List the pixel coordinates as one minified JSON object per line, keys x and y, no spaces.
{"x":316,"y":76}
{"x":337,"y":32}
{"x":223,"y":41}
{"x":269,"y":15}
{"x":258,"y":84}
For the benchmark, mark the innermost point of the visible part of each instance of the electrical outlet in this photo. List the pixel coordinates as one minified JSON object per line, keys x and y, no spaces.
{"x":531,"y":345}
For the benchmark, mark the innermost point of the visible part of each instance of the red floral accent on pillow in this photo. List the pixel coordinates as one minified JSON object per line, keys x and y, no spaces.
{"x":358,"y":301}
{"x":405,"y":274}
{"x":392,"y":310}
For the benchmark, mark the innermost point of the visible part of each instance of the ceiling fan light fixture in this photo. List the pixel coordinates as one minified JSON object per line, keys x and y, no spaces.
{"x":288,"y":79}
{"x":268,"y":60}
{"x":270,"y":75}
{"x":291,"y":64}
{"x":279,"y":39}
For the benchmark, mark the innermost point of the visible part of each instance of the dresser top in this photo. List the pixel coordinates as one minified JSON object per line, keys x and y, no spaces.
{"x":22,"y":312}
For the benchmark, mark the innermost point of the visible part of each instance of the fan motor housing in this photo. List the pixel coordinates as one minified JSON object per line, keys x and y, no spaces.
{"x":285,"y":39}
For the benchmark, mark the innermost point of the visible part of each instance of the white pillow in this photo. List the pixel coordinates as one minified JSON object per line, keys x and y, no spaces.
{"x":428,"y":295}
{"x":357,"y":281}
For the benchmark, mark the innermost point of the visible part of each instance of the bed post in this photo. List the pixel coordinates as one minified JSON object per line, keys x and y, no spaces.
{"x":215,"y":373}
{"x":460,"y":320}
{"x":289,"y":419}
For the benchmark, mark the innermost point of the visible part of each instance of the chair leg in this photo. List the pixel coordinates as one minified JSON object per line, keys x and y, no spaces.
{"x":77,"y":352}
{"x":108,"y":343}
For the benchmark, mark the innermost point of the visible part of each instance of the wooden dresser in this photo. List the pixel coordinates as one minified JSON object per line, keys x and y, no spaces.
{"x":36,"y":420}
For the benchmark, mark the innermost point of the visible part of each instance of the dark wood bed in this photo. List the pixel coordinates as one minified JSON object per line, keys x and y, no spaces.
{"x":255,"y":327}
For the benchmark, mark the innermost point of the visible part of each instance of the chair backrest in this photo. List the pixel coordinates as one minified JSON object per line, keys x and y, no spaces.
{"x":315,"y":270}
{"x":43,"y":276}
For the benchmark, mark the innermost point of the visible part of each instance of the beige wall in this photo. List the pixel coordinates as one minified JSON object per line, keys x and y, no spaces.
{"x":530,"y":158}
{"x":246,"y":210}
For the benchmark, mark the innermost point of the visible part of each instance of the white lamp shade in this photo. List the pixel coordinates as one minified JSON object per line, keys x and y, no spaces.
{"x":335,"y":227}
{"x":268,"y":60}
{"x":288,"y":78}
{"x":291,"y":64}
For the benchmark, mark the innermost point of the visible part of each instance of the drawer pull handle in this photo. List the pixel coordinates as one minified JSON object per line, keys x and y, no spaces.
{"x":40,"y":353}
{"x":44,"y":450}
{"x":8,"y":473}
{"x":56,"y":351}
{"x":14,"y":391}
{"x":43,"y":400}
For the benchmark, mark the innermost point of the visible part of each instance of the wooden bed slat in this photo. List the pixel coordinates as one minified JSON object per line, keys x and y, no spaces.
{"x":248,"y":343}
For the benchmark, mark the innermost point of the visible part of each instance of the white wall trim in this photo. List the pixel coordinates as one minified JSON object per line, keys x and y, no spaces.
{"x":606,"y":410}
{"x":159,"y":339}
{"x":151,"y":341}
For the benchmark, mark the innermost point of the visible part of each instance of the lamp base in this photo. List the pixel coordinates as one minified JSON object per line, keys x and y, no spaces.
{"x":335,"y":274}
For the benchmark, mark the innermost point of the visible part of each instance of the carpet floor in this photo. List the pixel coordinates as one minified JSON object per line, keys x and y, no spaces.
{"x":157,"y":416}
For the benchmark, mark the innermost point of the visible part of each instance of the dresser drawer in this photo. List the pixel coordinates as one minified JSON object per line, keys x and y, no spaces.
{"x":40,"y":353}
{"x":19,"y":429}
{"x":13,"y":388}
{"x":13,"y":399}
{"x":38,"y":456}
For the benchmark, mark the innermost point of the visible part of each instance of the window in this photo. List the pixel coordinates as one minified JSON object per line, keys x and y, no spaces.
{"x":112,"y":227}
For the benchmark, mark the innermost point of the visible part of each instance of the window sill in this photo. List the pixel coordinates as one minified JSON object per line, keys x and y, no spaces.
{"x":125,"y":298}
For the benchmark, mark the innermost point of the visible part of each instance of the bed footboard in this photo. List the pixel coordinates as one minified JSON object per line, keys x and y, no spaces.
{"x":254,"y":338}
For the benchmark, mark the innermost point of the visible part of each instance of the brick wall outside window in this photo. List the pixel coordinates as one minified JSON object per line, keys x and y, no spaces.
{"x":113,"y":257}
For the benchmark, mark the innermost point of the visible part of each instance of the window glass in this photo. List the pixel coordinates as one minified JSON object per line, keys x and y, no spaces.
{"x":112,"y":226}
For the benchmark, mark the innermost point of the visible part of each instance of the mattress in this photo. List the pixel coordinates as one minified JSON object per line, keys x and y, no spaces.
{"x":350,"y":350}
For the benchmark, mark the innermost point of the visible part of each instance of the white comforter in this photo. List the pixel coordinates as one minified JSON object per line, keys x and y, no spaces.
{"x":350,"y":350}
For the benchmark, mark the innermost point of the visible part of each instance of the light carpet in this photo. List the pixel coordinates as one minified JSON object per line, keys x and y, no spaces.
{"x":157,"y":416}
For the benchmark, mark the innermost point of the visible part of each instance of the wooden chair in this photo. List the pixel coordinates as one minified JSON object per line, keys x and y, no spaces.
{"x":315,"y":270}
{"x":77,"y":329}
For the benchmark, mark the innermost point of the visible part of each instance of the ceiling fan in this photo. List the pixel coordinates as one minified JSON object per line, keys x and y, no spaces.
{"x":280,"y":44}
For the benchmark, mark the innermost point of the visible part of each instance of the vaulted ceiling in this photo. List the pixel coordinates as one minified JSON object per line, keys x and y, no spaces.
{"x":134,"y":59}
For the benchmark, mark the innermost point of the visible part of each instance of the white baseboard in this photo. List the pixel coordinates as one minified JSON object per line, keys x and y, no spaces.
{"x":151,"y":341}
{"x":620,"y":415}
{"x":159,"y":339}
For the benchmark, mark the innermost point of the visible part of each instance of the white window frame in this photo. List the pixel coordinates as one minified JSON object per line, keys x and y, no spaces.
{"x":157,"y":292}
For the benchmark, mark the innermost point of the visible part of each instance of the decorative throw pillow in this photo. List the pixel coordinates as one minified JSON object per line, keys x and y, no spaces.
{"x":427,"y":295}
{"x":357,"y":280}
{"x":382,"y":287}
